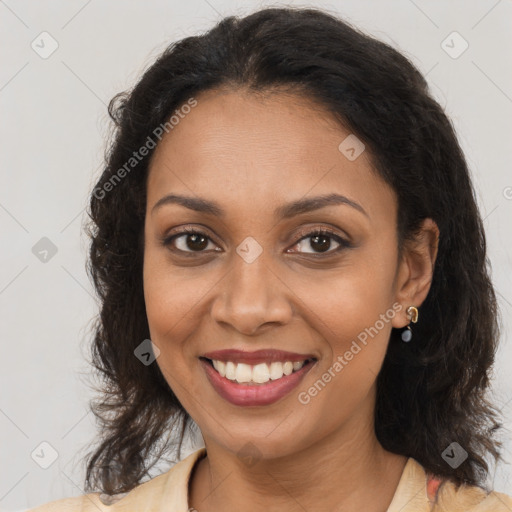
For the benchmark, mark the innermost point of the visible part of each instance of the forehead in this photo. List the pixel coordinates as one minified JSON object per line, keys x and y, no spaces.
{"x":261,"y":149}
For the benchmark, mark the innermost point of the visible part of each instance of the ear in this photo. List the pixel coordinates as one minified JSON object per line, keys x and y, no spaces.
{"x":416,"y":269}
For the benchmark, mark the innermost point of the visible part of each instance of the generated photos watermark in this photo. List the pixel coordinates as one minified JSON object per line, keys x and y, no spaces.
{"x":341,"y":361}
{"x":144,"y":150}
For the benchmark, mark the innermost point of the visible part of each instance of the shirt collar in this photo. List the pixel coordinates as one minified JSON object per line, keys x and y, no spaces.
{"x":172,"y":492}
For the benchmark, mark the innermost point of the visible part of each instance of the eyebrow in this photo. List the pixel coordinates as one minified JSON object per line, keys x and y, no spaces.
{"x":282,"y":212}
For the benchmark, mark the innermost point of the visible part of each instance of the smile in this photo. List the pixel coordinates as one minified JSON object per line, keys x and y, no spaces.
{"x":255,"y":378}
{"x":257,"y":374}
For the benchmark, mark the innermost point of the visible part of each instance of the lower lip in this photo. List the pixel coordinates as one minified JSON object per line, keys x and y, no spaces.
{"x":261,"y":394}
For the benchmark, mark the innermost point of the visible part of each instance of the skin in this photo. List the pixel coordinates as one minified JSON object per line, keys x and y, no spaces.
{"x":252,"y":154}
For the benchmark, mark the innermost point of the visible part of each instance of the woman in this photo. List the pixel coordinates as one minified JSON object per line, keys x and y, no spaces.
{"x":287,"y":215}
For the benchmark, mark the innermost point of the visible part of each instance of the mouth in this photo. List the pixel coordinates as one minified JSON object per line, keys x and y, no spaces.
{"x":255,"y":378}
{"x":258,"y":374}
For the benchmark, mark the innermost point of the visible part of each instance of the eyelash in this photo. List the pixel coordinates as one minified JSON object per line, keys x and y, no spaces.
{"x":344,"y":244}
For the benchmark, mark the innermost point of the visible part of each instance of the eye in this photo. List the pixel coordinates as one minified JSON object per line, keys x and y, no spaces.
{"x":321,"y":241}
{"x":188,"y":240}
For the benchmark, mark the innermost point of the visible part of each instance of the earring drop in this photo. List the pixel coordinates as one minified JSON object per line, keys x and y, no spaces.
{"x":412,"y":312}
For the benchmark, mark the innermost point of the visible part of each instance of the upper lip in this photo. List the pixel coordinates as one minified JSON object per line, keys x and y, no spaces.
{"x":257,"y":356}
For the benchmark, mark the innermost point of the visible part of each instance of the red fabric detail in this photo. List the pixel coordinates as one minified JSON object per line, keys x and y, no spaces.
{"x":433,"y":484}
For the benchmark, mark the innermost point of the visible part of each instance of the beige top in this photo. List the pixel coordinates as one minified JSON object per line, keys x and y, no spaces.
{"x":169,"y":493}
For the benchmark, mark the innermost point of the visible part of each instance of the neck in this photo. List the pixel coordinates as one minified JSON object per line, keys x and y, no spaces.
{"x":336,"y":473}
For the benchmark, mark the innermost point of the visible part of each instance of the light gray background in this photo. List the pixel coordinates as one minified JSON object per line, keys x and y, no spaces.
{"x":53,"y":128}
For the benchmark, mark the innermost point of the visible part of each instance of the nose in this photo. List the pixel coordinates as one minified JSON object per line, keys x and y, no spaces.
{"x":251,"y":297}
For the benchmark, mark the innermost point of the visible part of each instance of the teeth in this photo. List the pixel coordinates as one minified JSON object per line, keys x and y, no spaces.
{"x":276,"y":370}
{"x":297,"y":365}
{"x":220,"y":366}
{"x":287,"y":367}
{"x":230,"y":370}
{"x":260,"y":373}
{"x":243,"y":373}
{"x":257,"y":374}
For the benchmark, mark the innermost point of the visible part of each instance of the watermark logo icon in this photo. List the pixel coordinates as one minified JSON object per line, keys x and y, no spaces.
{"x":44,"y":45}
{"x":147,"y":352}
{"x":44,"y":455}
{"x":249,"y":250}
{"x":454,"y":455}
{"x":454,"y":45}
{"x":249,"y":454}
{"x":44,"y":250}
{"x":351,"y":147}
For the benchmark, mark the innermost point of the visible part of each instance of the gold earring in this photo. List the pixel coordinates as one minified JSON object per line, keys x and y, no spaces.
{"x":412,"y":312}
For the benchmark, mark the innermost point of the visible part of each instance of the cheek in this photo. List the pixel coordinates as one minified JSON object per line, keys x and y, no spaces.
{"x":171,"y":304}
{"x":351,"y":298}
{"x":170,"y":300}
{"x":176,"y":310}
{"x":356,"y":326}
{"x":352,"y":309}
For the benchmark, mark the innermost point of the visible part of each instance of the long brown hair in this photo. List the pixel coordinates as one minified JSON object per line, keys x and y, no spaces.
{"x":431,"y":392}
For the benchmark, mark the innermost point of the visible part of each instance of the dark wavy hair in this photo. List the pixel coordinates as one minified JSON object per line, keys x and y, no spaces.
{"x":431,"y":392}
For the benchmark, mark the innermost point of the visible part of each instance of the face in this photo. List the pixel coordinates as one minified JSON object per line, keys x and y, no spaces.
{"x":238,"y":276}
